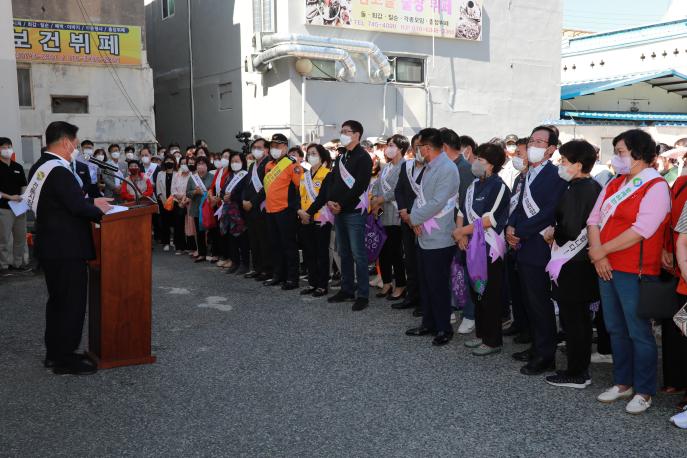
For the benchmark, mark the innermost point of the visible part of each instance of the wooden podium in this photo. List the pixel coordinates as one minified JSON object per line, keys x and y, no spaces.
{"x":120,"y":280}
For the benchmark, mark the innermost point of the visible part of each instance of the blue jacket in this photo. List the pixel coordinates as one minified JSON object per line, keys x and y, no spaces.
{"x":547,"y":189}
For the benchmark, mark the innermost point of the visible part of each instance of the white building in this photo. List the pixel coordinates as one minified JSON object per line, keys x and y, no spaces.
{"x":240,"y":58}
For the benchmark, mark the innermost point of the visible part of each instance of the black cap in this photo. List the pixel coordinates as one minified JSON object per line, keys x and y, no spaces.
{"x":279,"y":138}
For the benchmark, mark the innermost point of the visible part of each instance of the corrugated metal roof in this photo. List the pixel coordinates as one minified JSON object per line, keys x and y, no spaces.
{"x":626,"y":116}
{"x":669,"y":80}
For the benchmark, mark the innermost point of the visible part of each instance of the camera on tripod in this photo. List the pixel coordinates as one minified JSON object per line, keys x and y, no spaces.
{"x":244,"y":137}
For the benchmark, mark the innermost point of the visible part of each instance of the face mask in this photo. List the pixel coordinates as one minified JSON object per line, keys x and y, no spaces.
{"x":314,"y":160}
{"x":169,"y":165}
{"x":217,"y":164}
{"x":129,"y":156}
{"x":225,"y":163}
{"x":391,"y":152}
{"x":87,"y":152}
{"x":6,"y":153}
{"x":419,"y":158}
{"x":115,"y":155}
{"x":511,"y":148}
{"x":564,"y":173}
{"x":535,"y":154}
{"x":478,"y":169}
{"x":192,"y":167}
{"x":275,"y":153}
{"x":518,"y":164}
{"x":464,"y":153}
{"x":133,"y":172}
{"x":258,"y":153}
{"x":621,"y":164}
{"x":178,"y":157}
{"x":100,"y":157}
{"x":74,"y":154}
{"x":345,"y":140}
{"x":145,"y":160}
{"x":184,"y":168}
{"x":235,"y":166}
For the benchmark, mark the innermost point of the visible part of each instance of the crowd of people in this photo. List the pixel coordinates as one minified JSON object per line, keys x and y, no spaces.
{"x":519,"y":237}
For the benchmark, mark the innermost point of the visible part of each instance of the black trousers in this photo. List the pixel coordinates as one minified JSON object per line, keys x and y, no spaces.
{"x":201,"y":243}
{"x":239,"y":249}
{"x":315,"y":240}
{"x":674,"y":353}
{"x":259,"y":239}
{"x":391,"y":257}
{"x":578,"y":334}
{"x":67,"y":282}
{"x":166,"y":223}
{"x":283,"y":228}
{"x":536,"y":289}
{"x":434,"y":271}
{"x":603,"y":338}
{"x":517,"y":299}
{"x":410,"y":251}
{"x":489,"y":308}
{"x":178,"y":218}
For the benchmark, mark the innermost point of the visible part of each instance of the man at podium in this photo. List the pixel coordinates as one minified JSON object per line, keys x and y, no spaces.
{"x":63,"y":245}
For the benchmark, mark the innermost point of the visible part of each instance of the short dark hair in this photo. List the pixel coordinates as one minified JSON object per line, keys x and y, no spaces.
{"x":5,"y":141}
{"x":260,"y":139}
{"x":86,"y":142}
{"x":355,"y":126}
{"x":450,"y":138}
{"x":580,"y":151}
{"x":199,"y":159}
{"x":111,"y":147}
{"x":200,"y":142}
{"x":325,"y":155}
{"x":146,"y":149}
{"x":242,"y":156}
{"x":129,"y":148}
{"x":415,"y":138}
{"x":401,"y":141}
{"x":58,"y":130}
{"x":432,"y":137}
{"x":133,"y":161}
{"x":171,"y":158}
{"x":552,"y":131}
{"x":295,"y":149}
{"x":641,"y":145}
{"x":202,"y":148}
{"x":466,"y":141}
{"x":522,"y":141}
{"x":493,"y":153}
{"x":174,"y":145}
{"x":98,"y":151}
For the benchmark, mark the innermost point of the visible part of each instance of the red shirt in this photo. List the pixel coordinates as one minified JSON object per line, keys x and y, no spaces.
{"x":131,"y":197}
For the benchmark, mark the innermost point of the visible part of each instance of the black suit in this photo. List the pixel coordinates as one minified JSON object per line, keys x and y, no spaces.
{"x":88,"y":187}
{"x":63,"y":245}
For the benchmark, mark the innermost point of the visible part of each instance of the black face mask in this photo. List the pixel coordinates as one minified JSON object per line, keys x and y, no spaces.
{"x":192,"y":167}
{"x":169,"y":165}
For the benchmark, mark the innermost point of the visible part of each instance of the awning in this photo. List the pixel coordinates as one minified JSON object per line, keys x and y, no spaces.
{"x":659,"y":118}
{"x":669,"y":80}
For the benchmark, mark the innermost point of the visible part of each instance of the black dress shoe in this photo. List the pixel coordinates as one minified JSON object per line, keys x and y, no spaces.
{"x":272,"y":282}
{"x":263,"y":276}
{"x":308,"y":290}
{"x":49,"y":363}
{"x":341,"y":297}
{"x":417,"y":313}
{"x":360,"y":303}
{"x":77,"y":367}
{"x":383,"y":294}
{"x":523,"y":338}
{"x":442,"y":338}
{"x":524,"y":356}
{"x":510,"y":331}
{"x":319,"y":292}
{"x":538,"y":366}
{"x":391,"y":297}
{"x":289,"y":285}
{"x":251,"y":274}
{"x":233,"y":269}
{"x":405,"y":304}
{"x":419,"y":331}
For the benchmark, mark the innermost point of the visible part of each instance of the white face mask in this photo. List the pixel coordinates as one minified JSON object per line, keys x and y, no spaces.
{"x":391,"y":152}
{"x":224,"y":163}
{"x":145,"y":160}
{"x":129,"y":156}
{"x":184,"y":168}
{"x":100,"y":157}
{"x":345,"y":140}
{"x":275,"y":153}
{"x":115,"y":155}
{"x":314,"y":160}
{"x":235,"y":166}
{"x":74,"y":154}
{"x":535,"y":154}
{"x":564,"y":173}
{"x":478,"y":169}
{"x":258,"y":153}
{"x":6,"y":153}
{"x":511,"y":148}
{"x":518,"y":164}
{"x":217,"y":164}
{"x":87,"y":152}
{"x":419,"y":158}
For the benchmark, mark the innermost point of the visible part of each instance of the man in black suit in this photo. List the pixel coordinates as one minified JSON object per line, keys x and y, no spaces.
{"x":63,"y":245}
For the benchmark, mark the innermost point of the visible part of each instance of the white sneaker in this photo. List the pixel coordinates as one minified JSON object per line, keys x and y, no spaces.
{"x":166,"y":248}
{"x":638,"y":405}
{"x":466,"y":326}
{"x":680,"y":420}
{"x":454,"y":320}
{"x":598,"y":358}
{"x":613,"y":394}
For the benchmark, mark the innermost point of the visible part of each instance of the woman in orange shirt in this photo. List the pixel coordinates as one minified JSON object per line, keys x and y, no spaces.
{"x":143,"y":183}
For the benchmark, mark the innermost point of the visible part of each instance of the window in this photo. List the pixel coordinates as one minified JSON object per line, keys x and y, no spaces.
{"x":167,"y":8}
{"x":24,"y":85}
{"x":409,"y":70}
{"x":225,"y":96}
{"x":323,"y":70}
{"x":69,"y":104}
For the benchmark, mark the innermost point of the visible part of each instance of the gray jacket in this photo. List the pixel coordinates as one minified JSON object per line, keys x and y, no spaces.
{"x":193,"y":209}
{"x":390,"y":216}
{"x":439,"y":183}
{"x":111,"y":189}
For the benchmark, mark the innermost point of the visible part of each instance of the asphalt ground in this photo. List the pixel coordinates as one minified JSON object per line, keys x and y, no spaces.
{"x":245,"y":370}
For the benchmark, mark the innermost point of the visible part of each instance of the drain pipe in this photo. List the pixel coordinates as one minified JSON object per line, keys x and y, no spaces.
{"x":283,"y":50}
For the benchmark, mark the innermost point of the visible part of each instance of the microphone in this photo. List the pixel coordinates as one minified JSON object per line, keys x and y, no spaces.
{"x":103,"y":165}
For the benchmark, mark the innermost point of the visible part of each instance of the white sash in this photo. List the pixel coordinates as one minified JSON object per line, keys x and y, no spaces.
{"x":409,"y":173}
{"x":33,"y":190}
{"x":150,"y":171}
{"x":386,"y":187}
{"x":515,"y":197}
{"x":561,"y":255}
{"x":199,"y":182}
{"x":255,"y":179}
{"x":234,"y":181}
{"x":309,"y":186}
{"x":346,"y":175}
{"x":490,"y":235}
{"x":218,"y":181}
{"x":528,"y":204}
{"x":611,"y":203}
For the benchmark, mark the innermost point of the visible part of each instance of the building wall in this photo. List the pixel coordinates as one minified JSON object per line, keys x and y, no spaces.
{"x":9,"y":115}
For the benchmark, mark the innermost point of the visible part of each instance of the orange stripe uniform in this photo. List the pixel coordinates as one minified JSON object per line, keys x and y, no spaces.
{"x":283,"y":192}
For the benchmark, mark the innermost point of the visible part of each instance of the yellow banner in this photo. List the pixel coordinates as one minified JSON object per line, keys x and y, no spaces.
{"x":461,"y":19}
{"x":76,"y":43}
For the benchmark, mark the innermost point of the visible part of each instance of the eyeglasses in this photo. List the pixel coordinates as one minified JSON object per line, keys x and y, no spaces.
{"x":537,"y":141}
{"x":346,"y":132}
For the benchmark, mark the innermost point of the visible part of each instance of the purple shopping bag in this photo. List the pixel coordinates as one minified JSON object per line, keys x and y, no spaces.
{"x":459,"y":287}
{"x":375,"y":236}
{"x":477,"y":258}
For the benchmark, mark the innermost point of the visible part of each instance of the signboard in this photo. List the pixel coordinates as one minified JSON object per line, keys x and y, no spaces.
{"x":76,"y":43}
{"x":460,"y":19}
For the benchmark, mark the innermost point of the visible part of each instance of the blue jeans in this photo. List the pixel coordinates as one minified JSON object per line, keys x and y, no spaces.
{"x":632,"y":340}
{"x":350,"y":241}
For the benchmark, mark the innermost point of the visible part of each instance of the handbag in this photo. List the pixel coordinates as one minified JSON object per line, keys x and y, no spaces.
{"x":375,"y":236}
{"x":680,"y":319}
{"x":459,"y":286}
{"x":169,"y":204}
{"x":658,"y":300}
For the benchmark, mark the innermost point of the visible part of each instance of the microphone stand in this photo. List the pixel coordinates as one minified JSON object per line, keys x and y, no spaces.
{"x":137,"y":192}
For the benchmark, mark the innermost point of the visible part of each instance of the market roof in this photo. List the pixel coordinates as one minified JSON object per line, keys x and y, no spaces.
{"x":627,"y":116}
{"x":669,"y":80}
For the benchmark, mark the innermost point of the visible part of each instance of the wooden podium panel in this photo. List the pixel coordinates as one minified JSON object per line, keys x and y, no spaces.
{"x":120,"y":282}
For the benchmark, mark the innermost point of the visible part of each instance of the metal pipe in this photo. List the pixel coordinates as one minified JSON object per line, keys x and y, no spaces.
{"x":190,"y":64}
{"x":303,"y":109}
{"x":311,"y":52}
{"x":356,"y":46}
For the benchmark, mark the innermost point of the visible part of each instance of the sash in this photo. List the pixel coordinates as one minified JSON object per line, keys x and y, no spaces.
{"x":33,"y":190}
{"x":409,"y":173}
{"x":346,"y":175}
{"x":561,"y":255}
{"x":234,"y":181}
{"x":496,"y":242}
{"x":528,"y":204}
{"x":282,"y":165}
{"x":349,"y":179}
{"x":386,"y":187}
{"x":611,"y":203}
{"x":199,"y":183}
{"x":515,"y":197}
{"x":309,"y":186}
{"x":218,"y":181}
{"x":150,"y":171}
{"x":257,"y":184}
